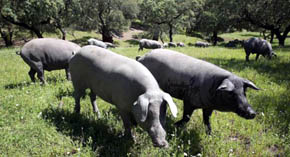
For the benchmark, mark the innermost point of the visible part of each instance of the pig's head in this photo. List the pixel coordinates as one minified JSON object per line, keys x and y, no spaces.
{"x":150,"y":113}
{"x":231,"y":96}
{"x":268,"y":50}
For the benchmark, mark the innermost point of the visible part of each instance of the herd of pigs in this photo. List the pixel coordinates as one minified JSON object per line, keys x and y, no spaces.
{"x":142,"y":88}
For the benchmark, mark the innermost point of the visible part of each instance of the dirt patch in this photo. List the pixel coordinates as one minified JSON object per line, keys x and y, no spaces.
{"x":129,"y":34}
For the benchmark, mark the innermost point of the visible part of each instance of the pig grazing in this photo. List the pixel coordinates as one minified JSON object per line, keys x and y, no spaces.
{"x":149,"y":44}
{"x":201,"y":44}
{"x":172,"y":44}
{"x":199,"y":84}
{"x":110,"y":45}
{"x":96,"y":42}
{"x":47,"y":54}
{"x":180,"y":44}
{"x":259,"y":47}
{"x":125,"y":83}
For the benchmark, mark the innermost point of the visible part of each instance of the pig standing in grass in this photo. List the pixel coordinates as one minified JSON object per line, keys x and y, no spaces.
{"x":149,"y":44}
{"x":172,"y":44}
{"x":47,"y":54}
{"x":180,"y":44}
{"x":125,"y":83}
{"x":259,"y":47}
{"x":201,"y":44}
{"x":199,"y":84}
{"x":96,"y":42}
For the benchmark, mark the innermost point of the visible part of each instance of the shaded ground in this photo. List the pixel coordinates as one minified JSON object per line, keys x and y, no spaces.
{"x":129,"y":35}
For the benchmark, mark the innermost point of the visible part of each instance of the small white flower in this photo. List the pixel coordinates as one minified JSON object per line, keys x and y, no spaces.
{"x":39,"y":114}
{"x":17,"y":105}
{"x":262,"y":114}
{"x":185,"y":154}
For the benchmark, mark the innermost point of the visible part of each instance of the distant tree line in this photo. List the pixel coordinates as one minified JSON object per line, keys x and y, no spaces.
{"x":159,"y":17}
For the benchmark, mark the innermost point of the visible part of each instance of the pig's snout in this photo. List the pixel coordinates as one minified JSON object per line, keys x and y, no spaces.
{"x":247,"y":113}
{"x":158,"y":135}
{"x":252,"y":113}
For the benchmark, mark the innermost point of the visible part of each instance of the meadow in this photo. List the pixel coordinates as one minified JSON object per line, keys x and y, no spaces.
{"x":38,"y":120}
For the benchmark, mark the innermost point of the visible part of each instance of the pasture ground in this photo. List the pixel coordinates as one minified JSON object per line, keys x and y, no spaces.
{"x":33,"y":124}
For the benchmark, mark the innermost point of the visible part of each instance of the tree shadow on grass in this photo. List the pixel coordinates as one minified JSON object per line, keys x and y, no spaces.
{"x":189,"y":138}
{"x":89,"y":131}
{"x":54,"y":79}
{"x":132,"y":42}
{"x":18,"y":85}
{"x":278,"y":48}
{"x":49,"y":80}
{"x":250,"y":35}
{"x":82,"y":41}
{"x":275,"y":70}
{"x":277,"y":111}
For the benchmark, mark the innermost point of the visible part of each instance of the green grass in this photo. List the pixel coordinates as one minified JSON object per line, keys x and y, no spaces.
{"x":33,"y":124}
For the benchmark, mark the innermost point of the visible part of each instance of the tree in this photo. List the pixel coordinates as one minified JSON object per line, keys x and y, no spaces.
{"x":216,"y":16}
{"x":272,"y":15}
{"x":33,"y":15}
{"x":162,"y":15}
{"x":109,"y":17}
{"x":66,"y":16}
{"x":6,"y":29}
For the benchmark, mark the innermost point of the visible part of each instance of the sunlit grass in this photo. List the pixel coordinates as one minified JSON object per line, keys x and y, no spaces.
{"x":32,"y":124}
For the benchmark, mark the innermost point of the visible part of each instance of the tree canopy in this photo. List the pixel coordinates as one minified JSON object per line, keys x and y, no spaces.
{"x":112,"y":17}
{"x":273,"y":15}
{"x":166,"y":15}
{"x":108,"y":17}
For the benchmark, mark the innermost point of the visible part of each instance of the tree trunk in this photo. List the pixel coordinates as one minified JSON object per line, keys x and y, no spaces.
{"x":7,"y":37}
{"x":160,"y":36}
{"x":264,"y":34}
{"x":280,"y":37}
{"x":170,"y":32}
{"x":156,"y":33}
{"x":37,"y":32}
{"x":272,"y":36}
{"x":26,"y":26}
{"x":63,"y":32}
{"x":106,"y":35}
{"x":214,"y":38}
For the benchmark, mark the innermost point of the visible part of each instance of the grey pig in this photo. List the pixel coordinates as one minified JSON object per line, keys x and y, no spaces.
{"x":47,"y":54}
{"x":199,"y":84}
{"x":96,"y":42}
{"x":125,"y":83}
{"x":149,"y":44}
{"x":259,"y":47}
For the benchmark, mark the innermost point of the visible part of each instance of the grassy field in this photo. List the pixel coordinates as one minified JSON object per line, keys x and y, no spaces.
{"x":33,"y":124}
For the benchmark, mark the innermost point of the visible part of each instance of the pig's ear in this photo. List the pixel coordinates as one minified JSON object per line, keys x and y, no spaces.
{"x":171,"y":104}
{"x":140,"y":108}
{"x":250,"y":84}
{"x":226,"y":85}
